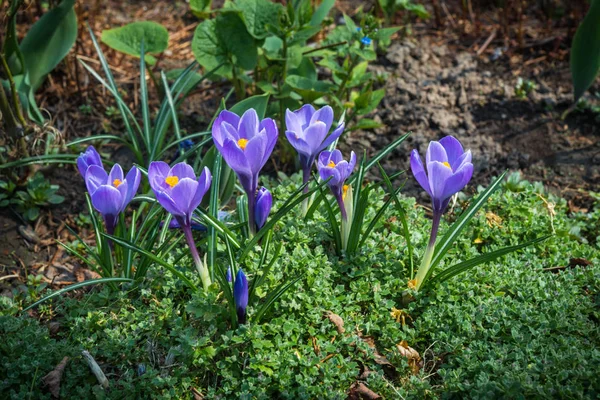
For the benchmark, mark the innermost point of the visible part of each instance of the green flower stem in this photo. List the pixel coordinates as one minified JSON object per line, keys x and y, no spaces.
{"x":426,"y":263}
{"x":200,"y":267}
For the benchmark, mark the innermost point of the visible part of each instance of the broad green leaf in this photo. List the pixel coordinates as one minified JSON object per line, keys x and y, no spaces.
{"x":12,"y":53}
{"x":200,"y":8}
{"x":226,"y":41}
{"x":309,"y":89}
{"x":259,"y":103}
{"x":48,"y":42}
{"x":128,"y":39}
{"x":321,"y":12}
{"x":257,"y":14}
{"x":585,"y":51}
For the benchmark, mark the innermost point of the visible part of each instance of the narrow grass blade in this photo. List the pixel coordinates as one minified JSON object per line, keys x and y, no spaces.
{"x":74,"y":287}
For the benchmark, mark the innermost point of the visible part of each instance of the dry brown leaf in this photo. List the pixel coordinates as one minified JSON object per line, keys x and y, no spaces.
{"x":360,"y":391}
{"x":52,"y":380}
{"x":414,"y":359}
{"x":336,"y":320}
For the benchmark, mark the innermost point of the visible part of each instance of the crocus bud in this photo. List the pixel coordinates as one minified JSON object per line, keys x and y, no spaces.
{"x":264,"y":201}
{"x":240,"y":295}
{"x":87,"y":158}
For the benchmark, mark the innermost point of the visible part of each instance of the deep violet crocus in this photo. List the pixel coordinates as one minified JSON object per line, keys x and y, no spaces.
{"x":447,"y":171}
{"x":111,"y":193}
{"x":240,"y":295}
{"x":264,"y":202}
{"x":179,"y":192}
{"x":307,"y":130}
{"x":87,"y":158}
{"x":245,"y":143}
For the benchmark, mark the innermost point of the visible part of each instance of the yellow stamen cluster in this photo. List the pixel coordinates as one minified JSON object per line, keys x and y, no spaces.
{"x":172,"y":181}
{"x":117,"y":182}
{"x":412,"y":284}
{"x":331,"y":164}
{"x":242,"y":143}
{"x":447,"y":164}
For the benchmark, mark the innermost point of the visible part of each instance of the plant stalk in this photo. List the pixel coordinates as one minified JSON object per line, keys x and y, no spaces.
{"x":426,"y":263}
{"x":200,"y":267}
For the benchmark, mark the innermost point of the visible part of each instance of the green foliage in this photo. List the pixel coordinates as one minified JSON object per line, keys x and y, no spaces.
{"x":511,"y":329}
{"x":523,"y":88}
{"x":46,"y":43}
{"x":28,"y":199}
{"x":128,"y":39}
{"x":585,"y":51}
{"x":391,"y":7}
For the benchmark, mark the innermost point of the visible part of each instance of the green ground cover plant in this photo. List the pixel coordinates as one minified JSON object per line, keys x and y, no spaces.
{"x":516,"y":327}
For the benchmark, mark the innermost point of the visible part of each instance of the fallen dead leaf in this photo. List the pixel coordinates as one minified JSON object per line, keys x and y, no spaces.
{"x":360,"y":391}
{"x":414,"y":359}
{"x":52,"y":380}
{"x":336,"y":320}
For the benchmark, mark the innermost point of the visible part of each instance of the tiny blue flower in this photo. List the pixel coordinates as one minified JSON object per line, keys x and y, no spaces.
{"x":358,"y":29}
{"x":366,"y":41}
{"x":186,"y":144}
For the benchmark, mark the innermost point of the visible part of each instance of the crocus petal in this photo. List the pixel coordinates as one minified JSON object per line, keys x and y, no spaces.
{"x":327,"y":172}
{"x":436,"y":152}
{"x":331,"y":138}
{"x":183,"y":194}
{"x":132,"y":179}
{"x":240,"y":295}
{"x":229,"y":131}
{"x":418,"y":170}
{"x":204,"y":181}
{"x":107,"y":200}
{"x":452,"y":147}
{"x":169,"y":203}
{"x":87,"y":158}
{"x":248,"y":126}
{"x":298,"y":143}
{"x":157,"y":173}
{"x":217,"y":132}
{"x":235,"y":157}
{"x":324,"y":115}
{"x":264,"y":202}
{"x":460,"y":161}
{"x":95,"y":177}
{"x":336,"y":156}
{"x":182,"y":170}
{"x":254,"y":152}
{"x":293,"y":123}
{"x":116,"y":173}
{"x":438,"y":174}
{"x":352,"y":162}
{"x":305,"y":114}
{"x":458,"y":181}
{"x":315,"y":134}
{"x":270,"y":129}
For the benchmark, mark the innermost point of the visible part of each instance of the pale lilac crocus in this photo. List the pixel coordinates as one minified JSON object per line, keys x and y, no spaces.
{"x":307,"y":130}
{"x":245,"y":143}
{"x":111,"y":193}
{"x":332,"y":165}
{"x":87,"y":158}
{"x":179,"y":192}
{"x":447,"y":171}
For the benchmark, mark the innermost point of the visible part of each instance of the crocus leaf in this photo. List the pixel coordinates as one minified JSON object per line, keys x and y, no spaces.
{"x":74,"y":287}
{"x":484,"y":258}
{"x":48,"y":42}
{"x":128,"y":39}
{"x":585,"y":51}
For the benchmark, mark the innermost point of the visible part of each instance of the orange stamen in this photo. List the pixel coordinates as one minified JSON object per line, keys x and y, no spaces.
{"x":117,"y":182}
{"x":242,"y":143}
{"x":447,"y":164}
{"x":172,"y":181}
{"x":331,"y":164}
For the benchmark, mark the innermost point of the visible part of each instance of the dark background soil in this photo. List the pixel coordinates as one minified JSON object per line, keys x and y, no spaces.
{"x":453,"y":76}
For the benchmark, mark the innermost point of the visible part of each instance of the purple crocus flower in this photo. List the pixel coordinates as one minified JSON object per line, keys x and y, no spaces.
{"x":264,"y":201}
{"x":331,"y":164}
{"x":111,"y":193}
{"x":307,"y":132}
{"x":449,"y":169}
{"x":240,"y":295}
{"x":245,"y":143}
{"x":180,"y":193}
{"x":87,"y":158}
